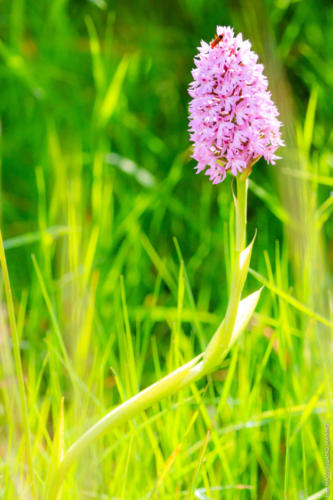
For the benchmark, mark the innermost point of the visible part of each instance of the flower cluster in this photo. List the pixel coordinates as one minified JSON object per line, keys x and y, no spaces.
{"x":233,"y":120}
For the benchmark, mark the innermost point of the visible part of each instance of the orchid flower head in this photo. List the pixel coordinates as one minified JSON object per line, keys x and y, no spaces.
{"x":233,"y":120}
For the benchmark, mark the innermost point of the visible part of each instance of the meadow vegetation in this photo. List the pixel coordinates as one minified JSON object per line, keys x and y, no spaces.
{"x":119,"y":257}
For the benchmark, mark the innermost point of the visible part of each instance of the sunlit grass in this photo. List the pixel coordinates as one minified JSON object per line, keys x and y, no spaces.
{"x":120,"y":272}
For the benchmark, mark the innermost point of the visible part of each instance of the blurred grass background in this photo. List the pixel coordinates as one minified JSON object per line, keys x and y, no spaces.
{"x":120,"y":261}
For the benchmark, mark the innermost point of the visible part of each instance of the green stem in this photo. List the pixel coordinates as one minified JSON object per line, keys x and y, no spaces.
{"x":241,"y":213}
{"x":237,"y":279}
{"x":221,"y":339}
{"x":180,"y":378}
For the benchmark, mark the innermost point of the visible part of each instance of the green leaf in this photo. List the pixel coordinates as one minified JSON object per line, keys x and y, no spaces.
{"x":244,"y":262}
{"x":113,"y":92}
{"x":58,"y":449}
{"x":245,"y":311}
{"x":221,"y":338}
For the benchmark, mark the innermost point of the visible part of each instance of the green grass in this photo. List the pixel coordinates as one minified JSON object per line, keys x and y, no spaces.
{"x":120,"y":258}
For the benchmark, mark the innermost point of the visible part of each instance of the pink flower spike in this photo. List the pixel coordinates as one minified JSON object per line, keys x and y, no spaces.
{"x":233,"y":120}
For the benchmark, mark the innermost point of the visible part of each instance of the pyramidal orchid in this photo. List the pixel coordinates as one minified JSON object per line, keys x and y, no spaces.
{"x":233,"y":120}
{"x":233,"y":123}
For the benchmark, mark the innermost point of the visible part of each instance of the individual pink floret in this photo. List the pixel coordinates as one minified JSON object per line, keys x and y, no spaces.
{"x":233,"y":120}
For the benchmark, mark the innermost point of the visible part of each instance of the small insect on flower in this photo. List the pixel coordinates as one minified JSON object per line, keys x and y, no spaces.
{"x":217,"y":40}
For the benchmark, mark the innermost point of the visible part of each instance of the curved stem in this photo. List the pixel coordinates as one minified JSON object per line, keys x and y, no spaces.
{"x":180,"y":378}
{"x":168,"y":385}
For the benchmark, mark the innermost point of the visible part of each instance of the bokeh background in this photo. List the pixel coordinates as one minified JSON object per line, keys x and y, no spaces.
{"x":133,"y":251}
